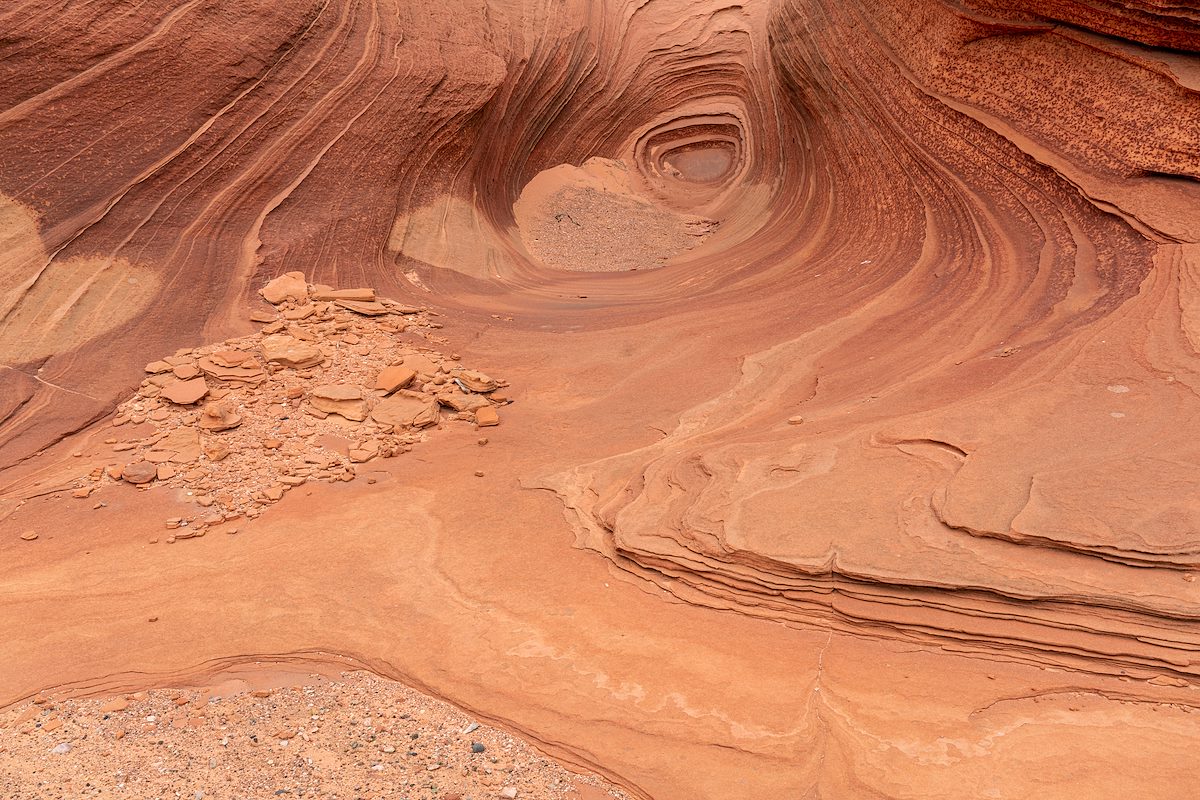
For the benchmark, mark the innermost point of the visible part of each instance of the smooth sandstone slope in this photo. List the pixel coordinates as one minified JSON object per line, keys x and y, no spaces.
{"x":954,"y":243}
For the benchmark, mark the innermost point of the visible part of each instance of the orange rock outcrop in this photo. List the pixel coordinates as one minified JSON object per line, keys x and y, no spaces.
{"x":852,"y":351}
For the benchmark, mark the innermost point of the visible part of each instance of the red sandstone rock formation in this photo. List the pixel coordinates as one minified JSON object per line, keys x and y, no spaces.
{"x":958,"y":240}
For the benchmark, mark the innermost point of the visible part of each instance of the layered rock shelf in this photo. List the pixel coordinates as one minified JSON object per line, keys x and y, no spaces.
{"x":835,"y":366}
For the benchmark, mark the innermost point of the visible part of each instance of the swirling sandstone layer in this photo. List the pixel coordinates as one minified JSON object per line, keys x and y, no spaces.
{"x":859,"y":339}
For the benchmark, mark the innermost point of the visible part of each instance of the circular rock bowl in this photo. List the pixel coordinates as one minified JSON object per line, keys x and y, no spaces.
{"x":693,"y":158}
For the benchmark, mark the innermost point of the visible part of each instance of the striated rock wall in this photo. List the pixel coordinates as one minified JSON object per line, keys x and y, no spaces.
{"x":873,"y":318}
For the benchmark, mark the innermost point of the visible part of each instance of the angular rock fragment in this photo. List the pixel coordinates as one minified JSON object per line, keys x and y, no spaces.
{"x":219,"y":417}
{"x":289,"y":284}
{"x":323,"y":292}
{"x":215,"y":450}
{"x":373,"y":309}
{"x":486,"y":417}
{"x":455,"y":399}
{"x":158,"y":366}
{"x":288,"y":351}
{"x":185,"y":393}
{"x":475,"y":381}
{"x":303,"y":312}
{"x":246,"y":371}
{"x":364,"y":453}
{"x":393,"y":378}
{"x":421,"y":364}
{"x":139,"y":472}
{"x":347,"y":401}
{"x":404,"y":410}
{"x":231,"y":358}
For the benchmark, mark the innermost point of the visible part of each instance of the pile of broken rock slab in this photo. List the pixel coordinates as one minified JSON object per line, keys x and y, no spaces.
{"x":336,"y":378}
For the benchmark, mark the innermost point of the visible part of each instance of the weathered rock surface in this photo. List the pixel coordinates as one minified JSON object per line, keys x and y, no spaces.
{"x":347,"y":401}
{"x":288,"y":351}
{"x":243,"y":369}
{"x":185,"y":392}
{"x":393,"y":378}
{"x":140,"y":472}
{"x":289,"y":286}
{"x":959,"y":240}
{"x":455,"y":399}
{"x":486,"y":417}
{"x":362,"y":295}
{"x":404,"y":410}
{"x":220,"y":416}
{"x":475,"y":381}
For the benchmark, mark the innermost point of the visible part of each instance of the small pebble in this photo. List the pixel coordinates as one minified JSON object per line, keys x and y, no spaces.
{"x":477,"y":747}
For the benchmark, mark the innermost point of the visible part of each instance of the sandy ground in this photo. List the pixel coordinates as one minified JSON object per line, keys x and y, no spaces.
{"x":356,"y":736}
{"x":589,"y":219}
